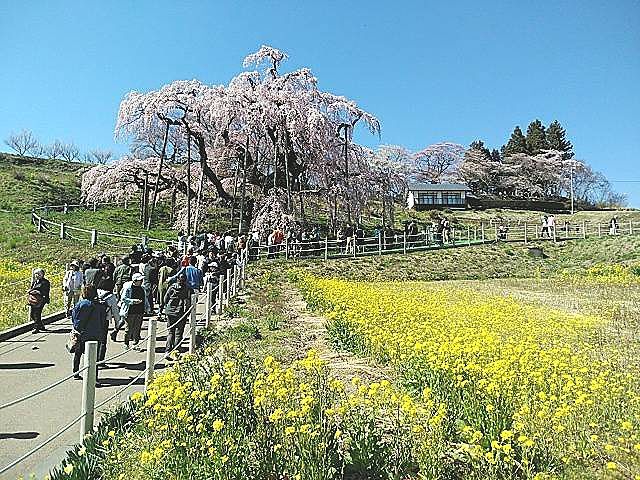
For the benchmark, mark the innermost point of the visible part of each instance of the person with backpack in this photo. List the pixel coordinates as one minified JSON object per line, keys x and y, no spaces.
{"x":109,"y":301}
{"x":122,"y":274}
{"x":177,"y":302}
{"x":193,"y":274}
{"x":89,"y":319}
{"x":72,"y":287}
{"x":38,"y":297}
{"x":93,"y":274}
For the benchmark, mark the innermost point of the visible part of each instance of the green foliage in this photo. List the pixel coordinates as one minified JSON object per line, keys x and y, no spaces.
{"x":536,"y":138}
{"x":516,"y":144}
{"x":556,"y":136}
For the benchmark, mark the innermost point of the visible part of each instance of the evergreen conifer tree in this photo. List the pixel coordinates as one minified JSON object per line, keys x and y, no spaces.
{"x":516,"y":144}
{"x":556,"y":136}
{"x":536,"y":138}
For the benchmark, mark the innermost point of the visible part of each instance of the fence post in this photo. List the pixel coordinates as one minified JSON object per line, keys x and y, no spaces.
{"x":228,"y":294}
{"x":525,"y":233}
{"x":495,"y":228}
{"x":126,"y":204}
{"x":94,"y":205}
{"x":208,"y":304}
{"x":555,"y":239}
{"x":468,"y":235}
{"x":326,"y":248}
{"x":354,"y":245}
{"x":151,"y":351}
{"x":599,"y":230}
{"x":62,"y":234}
{"x":475,"y":233}
{"x":630,"y":227}
{"x":404,"y":242}
{"x":234,"y":286}
{"x":88,"y":388}
{"x":144,"y":239}
{"x":482,"y":231}
{"x":286,"y":248}
{"x":192,"y":323}
{"x":379,"y":243}
{"x":39,"y":224}
{"x":220,"y":295}
{"x":65,"y":208}
{"x":94,"y":237}
{"x":584,"y":229}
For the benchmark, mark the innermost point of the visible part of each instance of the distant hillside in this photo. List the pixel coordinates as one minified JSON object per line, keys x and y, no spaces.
{"x":28,"y":181}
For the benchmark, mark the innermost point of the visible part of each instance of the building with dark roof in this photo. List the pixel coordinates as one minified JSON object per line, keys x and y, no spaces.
{"x":423,"y":196}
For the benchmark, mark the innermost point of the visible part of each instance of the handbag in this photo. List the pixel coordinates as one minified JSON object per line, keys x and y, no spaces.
{"x":73,"y":341}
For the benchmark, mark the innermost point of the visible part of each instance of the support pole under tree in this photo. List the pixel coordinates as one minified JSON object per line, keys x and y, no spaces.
{"x":326,"y":248}
{"x":198,"y":201}
{"x":220,"y":295}
{"x":188,"y":182}
{"x":192,"y":323}
{"x":208,"y":304}
{"x":630,"y":227}
{"x":88,"y":388}
{"x":243,"y":190}
{"x":379,"y":243}
{"x":160,"y":164}
{"x":151,"y":351}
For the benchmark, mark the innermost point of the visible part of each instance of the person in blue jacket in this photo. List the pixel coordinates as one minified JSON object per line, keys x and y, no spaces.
{"x":193,"y":274}
{"x":89,"y":319}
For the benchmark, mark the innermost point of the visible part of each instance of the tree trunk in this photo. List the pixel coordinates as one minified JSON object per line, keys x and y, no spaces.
{"x":188,"y":182}
{"x":206,"y":169}
{"x":244,"y":185}
{"x":155,"y":190}
{"x":275,"y":163}
{"x":145,"y":199}
{"x":198,"y":201}
{"x":173,"y":205}
{"x":235,"y":189}
{"x":286,"y":172}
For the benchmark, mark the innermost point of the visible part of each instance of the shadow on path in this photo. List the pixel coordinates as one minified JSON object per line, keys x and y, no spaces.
{"x":24,"y":365}
{"x":19,"y":435}
{"x":119,"y":382}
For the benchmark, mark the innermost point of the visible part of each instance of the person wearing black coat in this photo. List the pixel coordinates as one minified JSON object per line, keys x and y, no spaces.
{"x":89,"y":319}
{"x":177,"y":301}
{"x":40,"y":290}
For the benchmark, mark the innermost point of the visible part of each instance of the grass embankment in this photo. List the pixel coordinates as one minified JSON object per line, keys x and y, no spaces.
{"x":498,"y":260}
{"x":31,"y":182}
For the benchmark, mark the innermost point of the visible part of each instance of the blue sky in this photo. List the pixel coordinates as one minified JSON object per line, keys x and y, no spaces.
{"x":430,"y":71}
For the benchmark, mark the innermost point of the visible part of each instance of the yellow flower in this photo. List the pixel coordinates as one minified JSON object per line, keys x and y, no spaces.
{"x":217,"y":425}
{"x":611,"y":466}
{"x":68,"y":469}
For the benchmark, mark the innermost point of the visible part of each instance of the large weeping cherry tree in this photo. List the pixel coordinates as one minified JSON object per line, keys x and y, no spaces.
{"x":268,"y":130}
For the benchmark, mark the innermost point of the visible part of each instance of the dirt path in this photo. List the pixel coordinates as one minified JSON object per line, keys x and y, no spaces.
{"x":312,"y":333}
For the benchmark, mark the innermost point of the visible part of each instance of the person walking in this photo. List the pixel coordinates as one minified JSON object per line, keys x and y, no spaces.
{"x":193,"y":274}
{"x":109,"y":300}
{"x":177,"y":302}
{"x":94,"y":273}
{"x":89,"y":319}
{"x":165,"y":271}
{"x":122,"y":274}
{"x":133,"y":305}
{"x":38,"y":297}
{"x":72,"y":286}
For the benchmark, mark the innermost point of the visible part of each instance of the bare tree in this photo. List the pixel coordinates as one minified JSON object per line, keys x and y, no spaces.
{"x":23,"y":143}
{"x":54,"y":150}
{"x":70,"y":152}
{"x":101,"y":157}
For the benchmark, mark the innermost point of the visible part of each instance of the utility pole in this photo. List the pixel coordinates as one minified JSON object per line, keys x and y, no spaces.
{"x":571,"y":183}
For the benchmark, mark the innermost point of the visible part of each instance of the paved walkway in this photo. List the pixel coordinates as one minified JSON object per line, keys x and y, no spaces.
{"x":32,"y":361}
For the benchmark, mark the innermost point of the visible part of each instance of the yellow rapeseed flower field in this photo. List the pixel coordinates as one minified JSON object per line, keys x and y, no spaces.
{"x":529,"y":391}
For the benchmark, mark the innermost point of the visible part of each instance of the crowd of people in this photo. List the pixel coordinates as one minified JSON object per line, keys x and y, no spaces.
{"x":102,"y":294}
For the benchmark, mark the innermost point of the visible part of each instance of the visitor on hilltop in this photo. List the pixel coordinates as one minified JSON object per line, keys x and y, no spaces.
{"x":135,"y":256}
{"x":89,"y":319}
{"x":38,"y":297}
{"x":613,"y":225}
{"x":177,"y":301}
{"x":108,"y":267}
{"x":133,"y":306}
{"x":122,"y":274}
{"x":72,"y":286}
{"x":349,"y":240}
{"x":193,"y":274}
{"x":109,"y":301}
{"x":545,"y":227}
{"x":551,"y":222}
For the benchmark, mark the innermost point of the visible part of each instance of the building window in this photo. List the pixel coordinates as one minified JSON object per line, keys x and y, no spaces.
{"x":452,"y":198}
{"x":427,"y":198}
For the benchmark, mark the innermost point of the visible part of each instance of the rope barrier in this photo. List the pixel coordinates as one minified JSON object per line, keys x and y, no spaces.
{"x":42,"y":445}
{"x":42,"y":390}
